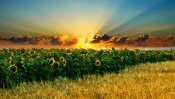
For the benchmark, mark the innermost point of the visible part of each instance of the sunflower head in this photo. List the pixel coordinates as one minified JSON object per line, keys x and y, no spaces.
{"x":97,"y":63}
{"x":113,"y":48}
{"x":32,"y":52}
{"x":122,"y":59}
{"x":64,"y":62}
{"x":90,"y":57}
{"x":49,"y":54}
{"x":68,"y":51}
{"x":55,"y":65}
{"x":68,"y":54}
{"x":22,"y":50}
{"x":30,"y":59}
{"x":109,"y":51}
{"x":12,"y":54}
{"x":61,"y":58}
{"x":10,"y":59}
{"x":101,"y":52}
{"x":81,"y":55}
{"x":51,"y":61}
{"x":37,"y":56}
{"x":137,"y":55}
{"x":13,"y":68}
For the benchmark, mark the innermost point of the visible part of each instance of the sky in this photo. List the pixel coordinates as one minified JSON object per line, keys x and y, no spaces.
{"x":84,"y":18}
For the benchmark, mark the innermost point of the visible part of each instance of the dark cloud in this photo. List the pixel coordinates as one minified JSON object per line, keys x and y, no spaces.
{"x":143,"y":40}
{"x":143,"y":37}
{"x":130,"y":42}
{"x":104,"y":37}
{"x":121,"y":40}
{"x":113,"y":39}
{"x":36,"y":40}
{"x":109,"y":39}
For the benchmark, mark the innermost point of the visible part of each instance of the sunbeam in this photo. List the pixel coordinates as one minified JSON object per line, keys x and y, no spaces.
{"x":76,"y":18}
{"x":123,"y":16}
{"x":87,"y":23}
{"x":86,"y":20}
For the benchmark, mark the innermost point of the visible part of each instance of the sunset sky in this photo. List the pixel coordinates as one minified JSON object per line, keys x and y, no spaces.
{"x":83,"y":19}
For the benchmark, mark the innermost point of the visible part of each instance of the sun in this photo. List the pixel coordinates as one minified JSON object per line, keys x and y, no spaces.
{"x":84,"y":42}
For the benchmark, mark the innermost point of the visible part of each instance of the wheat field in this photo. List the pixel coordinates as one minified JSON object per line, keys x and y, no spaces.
{"x":144,"y":81}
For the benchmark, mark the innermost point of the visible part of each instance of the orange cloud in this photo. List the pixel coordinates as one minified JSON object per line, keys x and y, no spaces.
{"x":98,"y":41}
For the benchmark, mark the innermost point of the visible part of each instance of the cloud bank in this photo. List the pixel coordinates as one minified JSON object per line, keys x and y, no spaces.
{"x":40,"y":40}
{"x":101,"y":40}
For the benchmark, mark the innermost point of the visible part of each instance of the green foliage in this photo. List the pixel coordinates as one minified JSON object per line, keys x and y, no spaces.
{"x":26,"y":65}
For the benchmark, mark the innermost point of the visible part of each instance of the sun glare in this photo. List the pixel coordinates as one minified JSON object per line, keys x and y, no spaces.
{"x":84,"y":42}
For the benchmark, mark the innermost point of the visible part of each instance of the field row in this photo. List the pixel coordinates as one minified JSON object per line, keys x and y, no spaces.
{"x":26,"y":65}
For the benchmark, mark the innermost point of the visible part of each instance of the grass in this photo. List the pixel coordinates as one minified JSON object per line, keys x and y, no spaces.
{"x":150,"y":80}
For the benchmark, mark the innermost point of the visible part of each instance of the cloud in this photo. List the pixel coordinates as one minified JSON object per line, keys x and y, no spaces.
{"x":99,"y":40}
{"x":43,"y":40}
{"x":143,"y":37}
{"x":141,"y":41}
{"x":173,"y":42}
{"x":121,"y":40}
{"x":2,"y":38}
{"x":170,"y":36}
{"x":109,"y":39}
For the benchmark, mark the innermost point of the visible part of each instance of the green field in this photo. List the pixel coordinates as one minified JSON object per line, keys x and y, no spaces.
{"x":28,"y":65}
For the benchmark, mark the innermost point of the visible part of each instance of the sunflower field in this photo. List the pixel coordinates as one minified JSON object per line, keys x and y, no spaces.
{"x":27,"y":65}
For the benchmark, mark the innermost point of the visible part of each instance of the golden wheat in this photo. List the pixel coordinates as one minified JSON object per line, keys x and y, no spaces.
{"x":151,"y":81}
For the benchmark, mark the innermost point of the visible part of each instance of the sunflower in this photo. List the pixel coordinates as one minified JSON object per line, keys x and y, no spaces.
{"x":101,"y":52}
{"x":32,"y":52}
{"x":37,"y":56}
{"x":10,"y":60}
{"x":81,"y":55}
{"x":61,"y":58}
{"x":55,"y":65}
{"x":30,"y":59}
{"x":64,"y":62}
{"x":51,"y":61}
{"x":68,"y":54}
{"x":138,"y":55}
{"x":90,"y":57}
{"x":97,"y":63}
{"x":22,"y":50}
{"x":12,"y":54}
{"x":13,"y":68}
{"x":68,"y":51}
{"x":122,"y":59}
{"x":108,"y":51}
{"x":49,"y":54}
